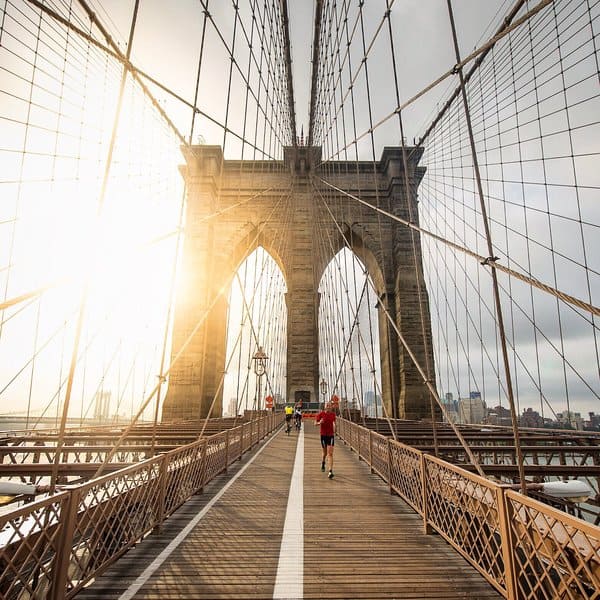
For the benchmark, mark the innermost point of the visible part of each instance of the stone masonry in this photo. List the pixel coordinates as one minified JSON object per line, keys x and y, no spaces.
{"x":213,"y":247}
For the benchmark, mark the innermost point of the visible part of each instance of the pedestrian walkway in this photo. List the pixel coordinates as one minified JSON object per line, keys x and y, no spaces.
{"x":247,"y":536}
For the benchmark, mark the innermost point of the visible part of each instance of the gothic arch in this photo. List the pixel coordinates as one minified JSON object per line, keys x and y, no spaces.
{"x":360,"y":238}
{"x":246,"y":241}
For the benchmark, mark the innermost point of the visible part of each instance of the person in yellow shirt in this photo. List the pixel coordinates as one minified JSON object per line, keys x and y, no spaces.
{"x":289,"y":411}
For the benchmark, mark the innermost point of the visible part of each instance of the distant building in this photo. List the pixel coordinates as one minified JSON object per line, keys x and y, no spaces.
{"x":471,"y":409}
{"x":531,"y":418}
{"x":451,"y":407}
{"x":372,"y":404}
{"x":233,"y":408}
{"x":452,"y":415}
{"x":102,"y":405}
{"x":570,"y":420}
{"x":594,"y":423}
{"x":499,"y":416}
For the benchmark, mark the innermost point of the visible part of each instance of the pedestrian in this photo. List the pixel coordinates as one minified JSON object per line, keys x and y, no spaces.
{"x":326,"y":420}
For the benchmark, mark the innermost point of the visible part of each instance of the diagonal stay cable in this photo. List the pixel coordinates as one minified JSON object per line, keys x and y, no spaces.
{"x":115,"y":53}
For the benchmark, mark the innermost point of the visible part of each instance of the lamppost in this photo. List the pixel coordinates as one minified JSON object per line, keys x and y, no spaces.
{"x":260,"y":366}
{"x":323,"y":387}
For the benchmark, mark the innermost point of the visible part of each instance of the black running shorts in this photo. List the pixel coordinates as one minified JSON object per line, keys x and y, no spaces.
{"x":327,"y":440}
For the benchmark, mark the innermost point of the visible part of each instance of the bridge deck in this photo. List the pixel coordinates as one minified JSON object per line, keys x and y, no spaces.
{"x":355,"y":539}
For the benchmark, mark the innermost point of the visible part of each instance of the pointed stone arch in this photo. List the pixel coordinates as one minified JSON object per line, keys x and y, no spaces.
{"x":361,"y":242}
{"x":346,"y":274}
{"x":260,"y":284}
{"x":245,"y":241}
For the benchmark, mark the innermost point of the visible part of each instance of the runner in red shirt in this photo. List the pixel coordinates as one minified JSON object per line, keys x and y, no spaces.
{"x":326,"y":420}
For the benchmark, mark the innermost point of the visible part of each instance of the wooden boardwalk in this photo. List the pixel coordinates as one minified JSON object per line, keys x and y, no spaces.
{"x":358,"y":541}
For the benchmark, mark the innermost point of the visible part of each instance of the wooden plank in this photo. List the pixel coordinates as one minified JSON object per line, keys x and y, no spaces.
{"x":233,"y":552}
{"x":362,"y":542}
{"x":359,"y":541}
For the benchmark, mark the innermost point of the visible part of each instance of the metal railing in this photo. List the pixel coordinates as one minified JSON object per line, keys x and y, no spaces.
{"x":524,"y":548}
{"x":52,"y":547}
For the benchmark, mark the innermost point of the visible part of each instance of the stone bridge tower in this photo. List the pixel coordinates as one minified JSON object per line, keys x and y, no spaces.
{"x":215,"y":245}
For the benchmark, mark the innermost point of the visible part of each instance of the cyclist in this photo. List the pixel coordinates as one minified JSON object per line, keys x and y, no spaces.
{"x":289,"y":411}
{"x":298,"y":418}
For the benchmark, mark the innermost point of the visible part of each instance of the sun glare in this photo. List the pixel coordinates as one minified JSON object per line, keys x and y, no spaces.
{"x":83,"y":211}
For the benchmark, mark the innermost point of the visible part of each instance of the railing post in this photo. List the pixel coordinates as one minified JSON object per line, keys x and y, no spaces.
{"x":389,"y":462}
{"x":162,"y":490}
{"x":358,"y":444}
{"x":226,"y":449}
{"x":371,"y":450}
{"x":426,"y":527}
{"x":203,"y":461}
{"x":506,"y":540}
{"x":242,"y":440}
{"x":62,"y":559}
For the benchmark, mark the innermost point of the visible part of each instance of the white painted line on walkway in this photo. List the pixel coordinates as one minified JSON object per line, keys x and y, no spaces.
{"x":134,"y":588}
{"x":289,"y":582}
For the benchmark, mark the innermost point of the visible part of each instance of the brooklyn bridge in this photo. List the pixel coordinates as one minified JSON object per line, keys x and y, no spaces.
{"x":215,"y":213}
